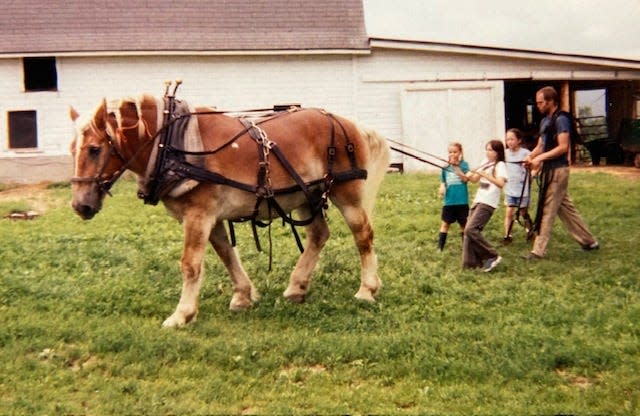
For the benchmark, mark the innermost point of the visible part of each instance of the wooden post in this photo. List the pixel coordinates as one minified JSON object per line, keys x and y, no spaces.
{"x":565,"y":105}
{"x":565,"y":99}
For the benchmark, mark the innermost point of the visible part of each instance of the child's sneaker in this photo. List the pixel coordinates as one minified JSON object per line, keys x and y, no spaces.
{"x":491,"y":264}
{"x":507,"y":240}
{"x":592,"y":246}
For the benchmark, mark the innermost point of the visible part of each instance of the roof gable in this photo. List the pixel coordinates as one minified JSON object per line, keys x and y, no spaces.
{"x":94,"y":26}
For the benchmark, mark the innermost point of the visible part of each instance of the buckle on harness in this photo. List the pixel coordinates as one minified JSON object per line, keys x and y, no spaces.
{"x":264,"y":192}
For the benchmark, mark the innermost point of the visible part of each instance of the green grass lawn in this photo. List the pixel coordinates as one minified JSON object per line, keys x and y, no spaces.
{"x":81,"y":304}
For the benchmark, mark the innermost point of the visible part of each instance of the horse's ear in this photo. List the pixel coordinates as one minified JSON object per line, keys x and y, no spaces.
{"x":73,"y":114}
{"x":100,"y":116}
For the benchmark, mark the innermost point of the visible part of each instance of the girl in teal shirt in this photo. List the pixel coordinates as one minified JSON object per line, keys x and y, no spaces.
{"x":454,"y":191}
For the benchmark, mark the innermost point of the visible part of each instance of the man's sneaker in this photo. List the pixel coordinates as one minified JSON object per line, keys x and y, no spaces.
{"x":531,"y":256}
{"x":592,"y":246}
{"x":507,"y":240}
{"x":491,"y":264}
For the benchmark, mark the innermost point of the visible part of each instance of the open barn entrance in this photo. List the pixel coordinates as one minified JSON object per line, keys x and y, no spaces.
{"x":604,"y":110}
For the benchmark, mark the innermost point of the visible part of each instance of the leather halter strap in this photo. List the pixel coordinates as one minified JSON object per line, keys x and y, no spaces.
{"x":105,"y":183}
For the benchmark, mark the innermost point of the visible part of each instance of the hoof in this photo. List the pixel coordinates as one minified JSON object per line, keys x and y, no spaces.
{"x":178,"y":319}
{"x":174,"y":322}
{"x":365,"y":294}
{"x":240,"y":303}
{"x":239,"y":306}
{"x":295,"y":297}
{"x":170,"y":323}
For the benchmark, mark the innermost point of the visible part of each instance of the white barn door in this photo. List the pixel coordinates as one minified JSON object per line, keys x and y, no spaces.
{"x":437,"y":113}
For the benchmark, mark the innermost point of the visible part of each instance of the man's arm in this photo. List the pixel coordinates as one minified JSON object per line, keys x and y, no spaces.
{"x":561,"y":149}
{"x":535,"y":152}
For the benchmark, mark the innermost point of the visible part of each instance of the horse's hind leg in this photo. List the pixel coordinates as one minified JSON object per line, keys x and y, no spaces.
{"x":244,"y":293}
{"x":358,"y":221}
{"x":300,"y":281}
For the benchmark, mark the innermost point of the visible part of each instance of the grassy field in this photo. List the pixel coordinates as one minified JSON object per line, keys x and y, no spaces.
{"x":81,"y":305}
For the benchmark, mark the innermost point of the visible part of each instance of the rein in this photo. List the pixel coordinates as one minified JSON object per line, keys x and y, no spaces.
{"x":411,"y":153}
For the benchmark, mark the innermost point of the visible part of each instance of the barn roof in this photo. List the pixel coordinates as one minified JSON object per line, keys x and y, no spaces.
{"x":524,"y":54}
{"x":31,"y":27}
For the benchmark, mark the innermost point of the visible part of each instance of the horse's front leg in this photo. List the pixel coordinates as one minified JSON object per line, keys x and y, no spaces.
{"x":300,"y":281}
{"x":244,"y":293}
{"x":197,"y":229}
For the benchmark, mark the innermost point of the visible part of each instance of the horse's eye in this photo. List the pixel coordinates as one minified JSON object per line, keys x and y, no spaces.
{"x":94,"y":151}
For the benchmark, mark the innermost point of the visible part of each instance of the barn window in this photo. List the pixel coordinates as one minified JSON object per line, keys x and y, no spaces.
{"x":40,"y":74}
{"x":23,"y":130}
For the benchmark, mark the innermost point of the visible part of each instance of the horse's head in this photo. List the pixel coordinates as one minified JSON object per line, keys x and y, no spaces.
{"x":114,"y":138}
{"x":98,"y":161}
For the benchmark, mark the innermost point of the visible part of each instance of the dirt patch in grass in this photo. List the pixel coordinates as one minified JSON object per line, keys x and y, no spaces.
{"x":578,"y":381}
{"x":36,"y":197}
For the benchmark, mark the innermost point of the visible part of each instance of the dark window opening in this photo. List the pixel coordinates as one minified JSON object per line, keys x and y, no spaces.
{"x":592,"y":114}
{"x":40,"y":74}
{"x":23,"y":130}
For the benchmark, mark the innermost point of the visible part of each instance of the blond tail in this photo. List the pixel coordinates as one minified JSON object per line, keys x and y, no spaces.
{"x":377,"y":166}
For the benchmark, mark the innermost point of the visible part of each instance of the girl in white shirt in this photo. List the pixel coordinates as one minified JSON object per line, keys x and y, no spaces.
{"x":492,"y":176}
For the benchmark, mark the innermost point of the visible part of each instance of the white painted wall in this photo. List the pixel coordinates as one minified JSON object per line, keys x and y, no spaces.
{"x":234,"y":83}
{"x":226,"y":82}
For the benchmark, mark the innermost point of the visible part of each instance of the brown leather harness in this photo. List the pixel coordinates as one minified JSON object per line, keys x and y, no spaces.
{"x":172,"y":167}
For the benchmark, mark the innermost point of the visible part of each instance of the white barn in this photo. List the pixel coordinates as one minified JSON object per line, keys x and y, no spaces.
{"x":247,"y":54}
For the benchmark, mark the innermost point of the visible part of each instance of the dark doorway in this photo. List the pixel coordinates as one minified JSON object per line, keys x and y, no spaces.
{"x":23,"y":130}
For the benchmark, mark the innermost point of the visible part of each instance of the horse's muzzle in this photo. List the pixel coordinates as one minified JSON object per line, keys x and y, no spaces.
{"x":86,"y":212}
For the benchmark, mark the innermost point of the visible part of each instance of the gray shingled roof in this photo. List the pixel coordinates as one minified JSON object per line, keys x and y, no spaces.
{"x":99,"y":26}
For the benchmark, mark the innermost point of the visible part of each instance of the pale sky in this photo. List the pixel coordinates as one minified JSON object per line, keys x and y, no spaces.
{"x":607,"y":28}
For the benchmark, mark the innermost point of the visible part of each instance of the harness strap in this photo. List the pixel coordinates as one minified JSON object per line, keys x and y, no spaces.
{"x":264,"y":189}
{"x":349,"y":145}
{"x":154,"y":180}
{"x":187,"y":170}
{"x":190,"y":171}
{"x":546,"y":177}
{"x":285,"y":163}
{"x":525,"y":183}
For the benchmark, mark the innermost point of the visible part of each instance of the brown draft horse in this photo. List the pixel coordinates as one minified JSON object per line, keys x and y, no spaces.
{"x":124,"y":135}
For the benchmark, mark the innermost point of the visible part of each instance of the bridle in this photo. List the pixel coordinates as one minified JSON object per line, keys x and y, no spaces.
{"x":105,"y":183}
